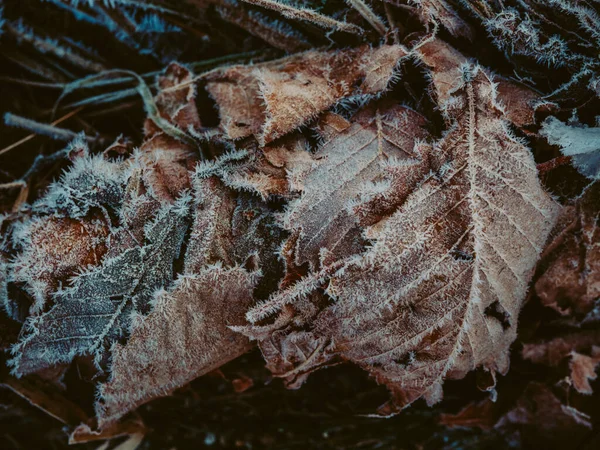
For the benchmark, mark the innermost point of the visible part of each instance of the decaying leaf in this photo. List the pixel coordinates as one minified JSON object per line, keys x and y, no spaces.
{"x":570,"y":282}
{"x":475,"y":414}
{"x":583,"y":369}
{"x":518,"y":101}
{"x":176,"y":98}
{"x":540,"y":418}
{"x":271,"y":99}
{"x":440,"y":290}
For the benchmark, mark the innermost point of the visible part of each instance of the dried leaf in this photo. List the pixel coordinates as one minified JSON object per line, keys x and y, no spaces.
{"x":46,"y":397}
{"x":541,"y":419}
{"x":551,"y":352}
{"x":518,"y":101}
{"x":184,"y":336}
{"x":475,"y":414}
{"x":176,"y":98}
{"x":351,"y":178}
{"x":570,"y":282}
{"x":439,"y":11}
{"x":440,"y":290}
{"x":47,"y":261}
{"x":166,"y":164}
{"x":86,"y":432}
{"x":272,"y":99}
{"x":583,"y":369}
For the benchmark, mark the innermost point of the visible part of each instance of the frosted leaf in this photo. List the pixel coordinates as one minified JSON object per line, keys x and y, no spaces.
{"x":271,"y":99}
{"x":440,"y":11}
{"x":235,"y":229}
{"x":518,"y":35}
{"x":378,"y":145}
{"x":176,"y":98}
{"x":54,"y":250}
{"x":581,"y":143}
{"x":519,"y":102}
{"x":91,"y":181}
{"x":166,"y":164}
{"x":210,"y":238}
{"x":5,"y":303}
{"x":276,"y":33}
{"x":268,"y":171}
{"x":92,"y":313}
{"x":187,"y":333}
{"x":439,"y":292}
{"x":185,"y":336}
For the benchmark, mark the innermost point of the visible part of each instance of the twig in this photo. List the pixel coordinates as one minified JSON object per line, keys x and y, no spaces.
{"x":553,"y":164}
{"x":31,"y":136}
{"x":59,"y":134}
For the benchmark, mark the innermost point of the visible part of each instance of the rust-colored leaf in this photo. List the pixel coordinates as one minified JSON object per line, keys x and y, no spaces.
{"x":271,"y":99}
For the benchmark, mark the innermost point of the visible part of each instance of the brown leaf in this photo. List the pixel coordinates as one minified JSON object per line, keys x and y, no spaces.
{"x":87,"y":432}
{"x":349,"y":181}
{"x":242,"y":384}
{"x":541,"y":420}
{"x":439,"y":292}
{"x":166,"y":163}
{"x":47,"y":397}
{"x":439,"y":11}
{"x":57,"y":248}
{"x":552,"y":351}
{"x":570,"y":282}
{"x":186,"y":335}
{"x":272,"y":170}
{"x":518,"y":101}
{"x":176,"y":98}
{"x":583,"y":369}
{"x":271,"y":99}
{"x":475,"y":414}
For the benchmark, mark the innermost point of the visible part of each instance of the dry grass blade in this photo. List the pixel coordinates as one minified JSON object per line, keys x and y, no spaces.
{"x":308,"y":15}
{"x":369,"y":15}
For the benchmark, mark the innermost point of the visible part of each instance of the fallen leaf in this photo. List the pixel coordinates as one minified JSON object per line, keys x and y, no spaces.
{"x":475,"y":414}
{"x":583,"y":369}
{"x":540,"y":419}
{"x":439,"y":291}
{"x":47,"y":261}
{"x":518,"y":102}
{"x":176,"y":97}
{"x":184,"y":336}
{"x":439,"y":11}
{"x":271,"y":99}
{"x":367,"y":169}
{"x":570,"y":281}
{"x":92,"y":313}
{"x":552,"y":351}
